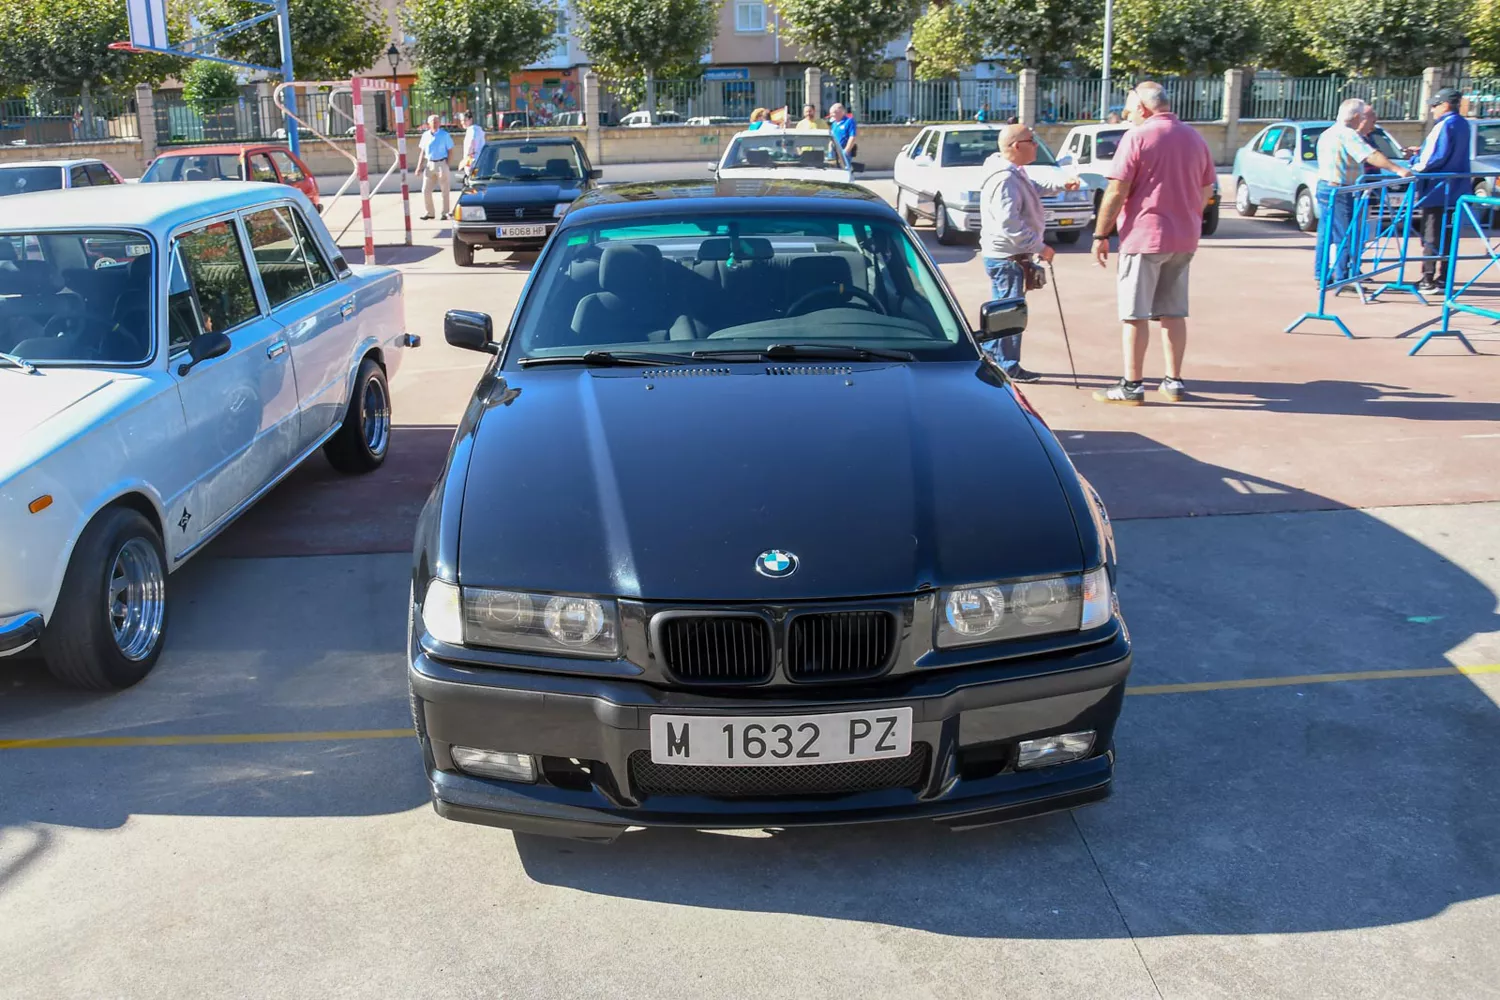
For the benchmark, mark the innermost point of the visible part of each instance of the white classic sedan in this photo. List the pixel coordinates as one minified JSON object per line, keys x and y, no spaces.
{"x":939,"y":176}
{"x":148,"y":402}
{"x":771,"y":153}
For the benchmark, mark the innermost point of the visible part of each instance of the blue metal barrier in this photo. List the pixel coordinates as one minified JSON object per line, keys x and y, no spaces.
{"x":1464,"y":212}
{"x":1376,"y":243}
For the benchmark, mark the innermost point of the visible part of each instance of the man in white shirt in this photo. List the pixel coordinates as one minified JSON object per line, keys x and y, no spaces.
{"x":432,"y":163}
{"x":473,"y":143}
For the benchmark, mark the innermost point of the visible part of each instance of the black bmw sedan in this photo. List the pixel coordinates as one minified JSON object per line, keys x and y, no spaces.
{"x":742,"y":528}
{"x":516,"y":192}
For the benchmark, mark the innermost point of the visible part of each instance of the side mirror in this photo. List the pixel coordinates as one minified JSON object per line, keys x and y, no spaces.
{"x":1284,"y":155}
{"x":1002,"y":318}
{"x":596,"y":173}
{"x":857,"y":168}
{"x":340,"y":265}
{"x":713,"y":168}
{"x":472,"y":331}
{"x":1065,"y":160}
{"x":204,"y":347}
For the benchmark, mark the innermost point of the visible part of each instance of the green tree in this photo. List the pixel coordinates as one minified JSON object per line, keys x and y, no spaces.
{"x":1044,"y":35}
{"x":1483,"y":25}
{"x":209,"y":83}
{"x":331,"y":39}
{"x":458,"y":42}
{"x":64,"y":45}
{"x":1182,"y":36}
{"x":846,"y":37}
{"x":1381,"y":37}
{"x":946,"y":42}
{"x":1284,"y":40}
{"x":646,"y":38}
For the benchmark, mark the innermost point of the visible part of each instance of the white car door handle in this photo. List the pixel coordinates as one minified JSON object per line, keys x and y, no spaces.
{"x":276,"y":349}
{"x":347,"y":309}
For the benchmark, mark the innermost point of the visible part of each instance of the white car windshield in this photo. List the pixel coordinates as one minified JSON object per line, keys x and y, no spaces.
{"x":784,"y":149}
{"x":75,"y":297}
{"x":972,"y":147}
{"x":738,"y":282}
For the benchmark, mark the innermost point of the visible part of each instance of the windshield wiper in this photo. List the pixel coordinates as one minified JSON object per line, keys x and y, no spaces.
{"x":604,"y":359}
{"x":839,"y":352}
{"x":19,"y":362}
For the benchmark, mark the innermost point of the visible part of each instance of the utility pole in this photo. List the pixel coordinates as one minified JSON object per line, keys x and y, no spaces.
{"x":1109,"y":46}
{"x":284,"y":30}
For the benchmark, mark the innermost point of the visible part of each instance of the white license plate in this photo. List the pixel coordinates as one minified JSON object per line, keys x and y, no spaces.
{"x":762,"y":740}
{"x":511,"y":232}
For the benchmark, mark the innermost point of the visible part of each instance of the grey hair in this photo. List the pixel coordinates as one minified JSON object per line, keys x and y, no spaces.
{"x":1351,"y":111}
{"x":1152,"y":95}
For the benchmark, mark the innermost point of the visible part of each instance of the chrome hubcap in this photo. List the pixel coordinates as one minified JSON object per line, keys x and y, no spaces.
{"x":137,"y":599}
{"x":377,"y":417}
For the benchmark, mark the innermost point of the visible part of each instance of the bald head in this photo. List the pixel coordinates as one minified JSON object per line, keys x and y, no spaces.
{"x":1017,"y":144}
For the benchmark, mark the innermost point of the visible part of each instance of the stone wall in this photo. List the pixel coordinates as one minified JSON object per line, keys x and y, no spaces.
{"x":125,"y":155}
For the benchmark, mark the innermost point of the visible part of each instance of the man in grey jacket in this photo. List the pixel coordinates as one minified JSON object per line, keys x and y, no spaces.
{"x":1012,"y":224}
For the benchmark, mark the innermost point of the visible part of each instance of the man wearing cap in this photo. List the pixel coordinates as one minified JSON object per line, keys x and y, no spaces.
{"x":1445,"y":151}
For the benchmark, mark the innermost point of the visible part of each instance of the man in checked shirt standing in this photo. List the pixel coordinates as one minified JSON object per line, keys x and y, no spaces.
{"x":1012,"y":224}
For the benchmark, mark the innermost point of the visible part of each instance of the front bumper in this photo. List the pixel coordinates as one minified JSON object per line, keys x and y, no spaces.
{"x":483,"y":235}
{"x":969,"y":720}
{"x":19,"y":631}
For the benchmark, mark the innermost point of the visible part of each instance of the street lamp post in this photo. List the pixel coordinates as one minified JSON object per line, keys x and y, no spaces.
{"x":1109,"y":45}
{"x":393,"y":56}
{"x":911,"y":81}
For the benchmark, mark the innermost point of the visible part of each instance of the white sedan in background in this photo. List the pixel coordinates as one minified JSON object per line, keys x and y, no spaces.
{"x":940,"y":173}
{"x":770,"y":153}
{"x":149,"y":402}
{"x":1088,"y":150}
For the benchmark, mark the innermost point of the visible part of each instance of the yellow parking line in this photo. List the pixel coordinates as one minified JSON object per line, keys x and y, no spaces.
{"x":1271,"y":682}
{"x":68,"y":742}
{"x":343,"y":735}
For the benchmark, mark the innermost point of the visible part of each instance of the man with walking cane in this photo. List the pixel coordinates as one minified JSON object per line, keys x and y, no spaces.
{"x":1012,"y":224}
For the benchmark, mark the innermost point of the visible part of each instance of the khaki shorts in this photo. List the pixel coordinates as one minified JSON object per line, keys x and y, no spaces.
{"x":1154,"y":285}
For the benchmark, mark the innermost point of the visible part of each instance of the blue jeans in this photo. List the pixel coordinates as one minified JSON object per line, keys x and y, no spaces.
{"x":1335,"y":221}
{"x":1007,"y":281}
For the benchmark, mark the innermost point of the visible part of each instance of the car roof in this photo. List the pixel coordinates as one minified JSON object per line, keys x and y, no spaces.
{"x":753,"y":195}
{"x":158,"y":207}
{"x":969,"y":127}
{"x":51,"y":163}
{"x":1099,"y":126}
{"x":228,"y":147}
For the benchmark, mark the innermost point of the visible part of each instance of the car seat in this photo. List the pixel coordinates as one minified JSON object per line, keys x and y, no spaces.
{"x":628,"y":307}
{"x":559,"y":168}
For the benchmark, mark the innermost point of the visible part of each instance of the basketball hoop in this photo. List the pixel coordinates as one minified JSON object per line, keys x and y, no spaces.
{"x":122,"y":47}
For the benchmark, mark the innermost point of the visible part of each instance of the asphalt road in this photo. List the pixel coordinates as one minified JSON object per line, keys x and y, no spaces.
{"x":1306,"y":805}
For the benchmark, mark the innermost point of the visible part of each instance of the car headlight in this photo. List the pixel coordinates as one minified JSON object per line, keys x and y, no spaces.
{"x":562,"y":624}
{"x":469,"y":213}
{"x":1024,"y":609}
{"x":560,"y":209}
{"x":1081,"y":195}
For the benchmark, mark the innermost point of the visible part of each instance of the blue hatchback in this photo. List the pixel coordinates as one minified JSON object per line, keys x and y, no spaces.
{"x":1279,"y":169}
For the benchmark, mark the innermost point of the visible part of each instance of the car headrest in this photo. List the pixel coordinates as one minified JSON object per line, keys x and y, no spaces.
{"x":749,"y":248}
{"x":34,"y":277}
{"x":811,"y":158}
{"x":630,"y":269}
{"x":823,"y":269}
{"x":585,"y":271}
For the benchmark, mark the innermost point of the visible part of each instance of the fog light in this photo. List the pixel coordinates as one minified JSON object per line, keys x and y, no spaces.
{"x":498,"y":764}
{"x":1055,"y":749}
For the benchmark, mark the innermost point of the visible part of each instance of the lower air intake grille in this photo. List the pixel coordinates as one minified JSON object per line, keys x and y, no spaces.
{"x":841,"y":644}
{"x":649,"y":778}
{"x":725,"y":649}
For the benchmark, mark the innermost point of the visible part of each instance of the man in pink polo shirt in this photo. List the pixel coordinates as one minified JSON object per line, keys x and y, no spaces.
{"x":1160,"y":181}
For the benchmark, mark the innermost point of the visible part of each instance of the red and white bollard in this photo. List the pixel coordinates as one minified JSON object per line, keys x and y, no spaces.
{"x":398,"y":105}
{"x":362,"y":154}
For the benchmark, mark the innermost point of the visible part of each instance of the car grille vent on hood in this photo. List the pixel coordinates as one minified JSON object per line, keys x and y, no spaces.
{"x":808,"y":370}
{"x":683,"y":372}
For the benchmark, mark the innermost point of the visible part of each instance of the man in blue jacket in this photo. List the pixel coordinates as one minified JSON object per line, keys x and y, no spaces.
{"x":1445,"y":151}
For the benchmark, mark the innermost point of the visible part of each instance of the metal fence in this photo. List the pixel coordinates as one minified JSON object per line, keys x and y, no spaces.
{"x":1482,"y":94}
{"x":1069,"y":99}
{"x":1311,"y":98}
{"x":256,"y":118}
{"x":885,"y":101}
{"x":52,"y":119}
{"x":681,"y":100}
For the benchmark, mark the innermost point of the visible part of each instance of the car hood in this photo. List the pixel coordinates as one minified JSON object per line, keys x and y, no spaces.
{"x":521,"y":193}
{"x":43,"y":410}
{"x":882,"y":479}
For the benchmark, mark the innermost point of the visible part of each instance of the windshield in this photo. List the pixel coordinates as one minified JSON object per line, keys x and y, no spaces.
{"x":742,"y":282}
{"x":19,"y":180}
{"x":971,"y":147}
{"x":528,"y":161}
{"x":1106,"y":142}
{"x":75,"y":297}
{"x":194,"y":167}
{"x":1487,"y":140}
{"x":784,"y":149}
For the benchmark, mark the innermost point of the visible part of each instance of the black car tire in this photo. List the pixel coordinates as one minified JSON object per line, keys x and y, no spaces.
{"x":463,"y":254}
{"x":80,"y":645}
{"x":1304,"y":213}
{"x":1068,"y":235}
{"x":1211,"y":219}
{"x":364,"y":438}
{"x":943,"y":229}
{"x":1242,"y":203}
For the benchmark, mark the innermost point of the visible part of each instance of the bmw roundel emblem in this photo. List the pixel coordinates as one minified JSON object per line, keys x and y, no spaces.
{"x":776,"y":563}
